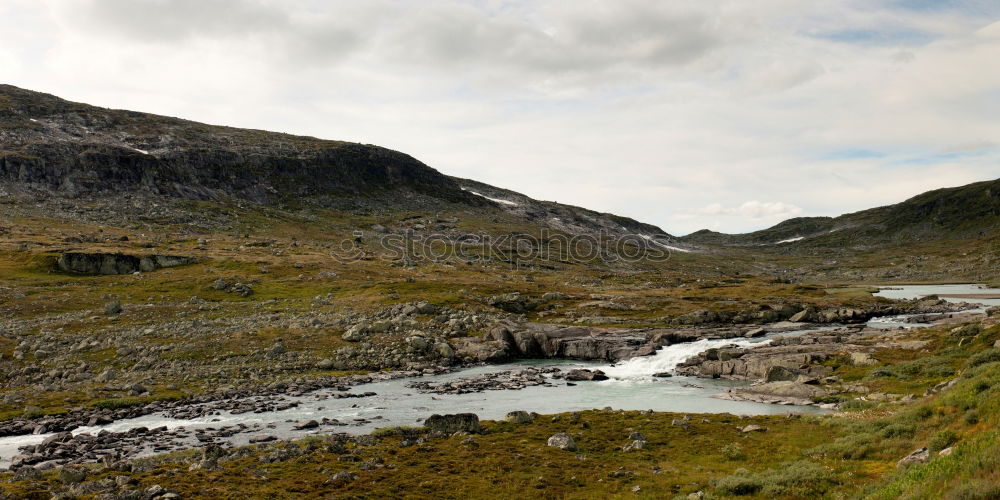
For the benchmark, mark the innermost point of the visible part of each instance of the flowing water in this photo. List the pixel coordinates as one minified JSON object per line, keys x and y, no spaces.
{"x":631,"y":386}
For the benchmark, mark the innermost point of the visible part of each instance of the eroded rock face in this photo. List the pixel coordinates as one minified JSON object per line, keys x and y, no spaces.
{"x":117,"y":263}
{"x":535,"y":340}
{"x":770,"y":363}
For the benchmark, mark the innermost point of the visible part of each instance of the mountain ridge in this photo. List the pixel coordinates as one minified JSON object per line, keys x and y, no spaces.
{"x":70,"y":149}
{"x":969,"y":211}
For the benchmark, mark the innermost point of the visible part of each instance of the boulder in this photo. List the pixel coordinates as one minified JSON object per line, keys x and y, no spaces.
{"x":72,"y":474}
{"x":584,"y":374}
{"x":478,"y":350}
{"x":807,"y":314}
{"x":780,"y":373}
{"x":452,"y":423}
{"x":519,"y":417}
{"x":276,"y":350}
{"x":512,"y":302}
{"x":788,"y":389}
{"x":562,"y":441}
{"x":425,"y":307}
{"x":637,"y":444}
{"x":444,"y":350}
{"x":356,"y":333}
{"x":919,"y":456}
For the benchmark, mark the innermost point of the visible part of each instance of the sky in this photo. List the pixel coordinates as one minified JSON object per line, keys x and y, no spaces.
{"x":730,"y":115}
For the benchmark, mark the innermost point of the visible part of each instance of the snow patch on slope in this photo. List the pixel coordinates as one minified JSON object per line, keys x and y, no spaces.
{"x":668,"y":247}
{"x":495,"y":200}
{"x":789,"y":240}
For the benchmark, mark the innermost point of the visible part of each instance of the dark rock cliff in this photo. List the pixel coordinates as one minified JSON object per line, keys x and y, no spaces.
{"x":73,"y":149}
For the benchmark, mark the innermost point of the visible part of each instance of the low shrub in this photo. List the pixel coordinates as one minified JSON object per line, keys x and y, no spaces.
{"x":897,"y":431}
{"x":116,"y":403}
{"x":934,"y":366}
{"x":942,"y":440}
{"x":733,"y":451}
{"x":972,"y":417}
{"x":981,"y":358}
{"x":851,"y":447}
{"x":402,"y":431}
{"x":796,"y":479}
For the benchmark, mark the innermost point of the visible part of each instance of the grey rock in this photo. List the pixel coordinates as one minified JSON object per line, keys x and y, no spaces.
{"x":562,"y":441}
{"x":519,"y":417}
{"x":584,"y":374}
{"x":919,"y":456}
{"x":452,"y":423}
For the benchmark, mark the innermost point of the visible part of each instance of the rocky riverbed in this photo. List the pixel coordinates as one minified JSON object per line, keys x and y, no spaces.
{"x":792,"y":371}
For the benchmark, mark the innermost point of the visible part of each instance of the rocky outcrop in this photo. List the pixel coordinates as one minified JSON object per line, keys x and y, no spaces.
{"x":810,"y":314}
{"x":75,"y":149}
{"x":117,"y":263}
{"x":784,"y":359}
{"x":782,"y":392}
{"x":537,"y":340}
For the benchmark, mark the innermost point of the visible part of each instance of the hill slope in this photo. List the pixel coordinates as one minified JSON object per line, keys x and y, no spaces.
{"x":966,"y":212}
{"x":53,"y":147}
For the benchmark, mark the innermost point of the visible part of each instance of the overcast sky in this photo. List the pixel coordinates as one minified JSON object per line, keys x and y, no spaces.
{"x":728,"y":115}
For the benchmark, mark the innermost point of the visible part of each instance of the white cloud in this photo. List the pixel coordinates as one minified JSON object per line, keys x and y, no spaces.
{"x":754,"y":210}
{"x":646,"y":109}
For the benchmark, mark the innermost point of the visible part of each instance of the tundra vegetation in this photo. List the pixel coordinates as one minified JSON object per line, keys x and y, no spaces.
{"x":147,"y":263}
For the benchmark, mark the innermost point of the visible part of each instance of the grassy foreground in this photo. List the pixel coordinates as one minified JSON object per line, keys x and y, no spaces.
{"x":852,"y":454}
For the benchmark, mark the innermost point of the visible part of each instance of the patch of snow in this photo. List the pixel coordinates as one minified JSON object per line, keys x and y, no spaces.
{"x":495,"y":200}
{"x":34,"y":120}
{"x":141,"y":151}
{"x":789,"y":240}
{"x":668,"y":247}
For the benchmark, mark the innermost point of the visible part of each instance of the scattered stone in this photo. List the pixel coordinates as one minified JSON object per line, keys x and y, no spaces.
{"x":519,"y":417}
{"x":341,"y":478}
{"x":562,"y":441}
{"x":637,"y":444}
{"x":919,"y":456}
{"x":584,"y":374}
{"x":312,"y":424}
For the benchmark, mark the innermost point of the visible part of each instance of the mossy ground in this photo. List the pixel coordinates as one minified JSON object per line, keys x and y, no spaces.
{"x":847,"y":455}
{"x":286,"y":257}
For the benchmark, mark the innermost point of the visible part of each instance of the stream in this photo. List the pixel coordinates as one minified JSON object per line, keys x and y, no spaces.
{"x":631,"y":386}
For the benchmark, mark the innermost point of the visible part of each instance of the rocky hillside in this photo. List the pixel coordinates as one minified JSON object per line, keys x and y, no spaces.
{"x":561,"y":217}
{"x":53,"y":147}
{"x":966,"y":212}
{"x":75,"y":149}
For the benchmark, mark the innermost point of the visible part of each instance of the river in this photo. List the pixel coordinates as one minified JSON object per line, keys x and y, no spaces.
{"x":631,"y":386}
